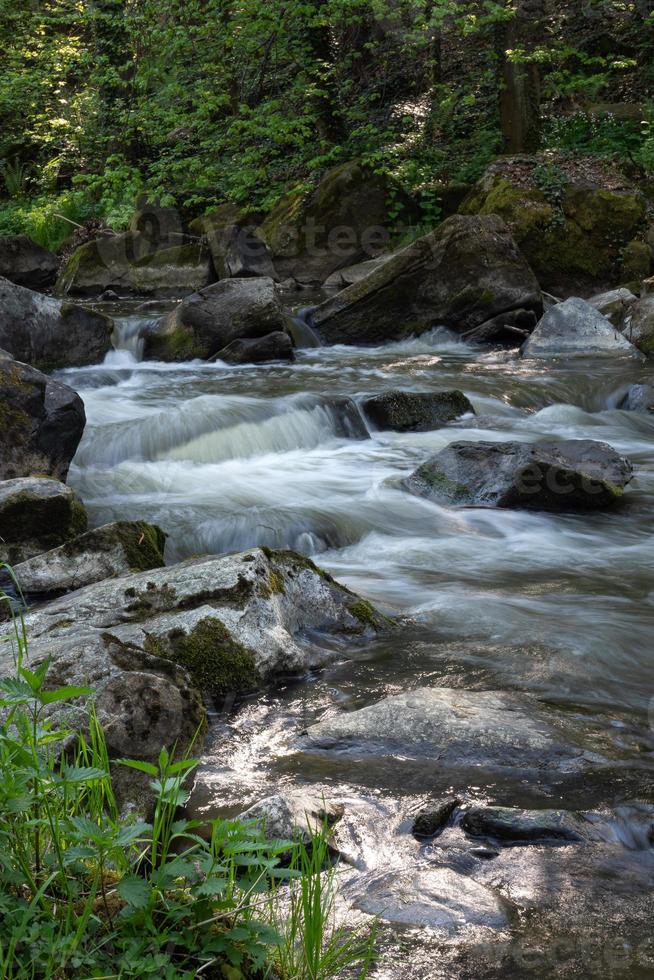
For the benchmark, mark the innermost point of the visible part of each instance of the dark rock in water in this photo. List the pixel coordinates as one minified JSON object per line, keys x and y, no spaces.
{"x":433,"y":818}
{"x":206,"y":322}
{"x":24,"y":262}
{"x":415,"y":411}
{"x":42,"y":421}
{"x":509,"y":329}
{"x":460,"y":729}
{"x":236,"y":250}
{"x":523,"y":826}
{"x":460,"y":276}
{"x":36,"y":515}
{"x":48,"y":333}
{"x":639,"y":398}
{"x":109,"y":296}
{"x":576,"y":327}
{"x":276,"y":346}
{"x":104,"y":552}
{"x":575,"y":474}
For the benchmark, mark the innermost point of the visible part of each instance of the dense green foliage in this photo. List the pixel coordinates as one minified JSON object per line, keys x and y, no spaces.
{"x":201,"y":101}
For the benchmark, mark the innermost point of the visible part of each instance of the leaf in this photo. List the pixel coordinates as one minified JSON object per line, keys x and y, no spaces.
{"x":146,"y":767}
{"x":135,"y":891}
{"x":64,"y":694}
{"x":82,"y":774}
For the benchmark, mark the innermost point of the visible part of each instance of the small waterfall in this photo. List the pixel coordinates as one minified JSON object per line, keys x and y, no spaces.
{"x":128,"y":335}
{"x":300,"y":329}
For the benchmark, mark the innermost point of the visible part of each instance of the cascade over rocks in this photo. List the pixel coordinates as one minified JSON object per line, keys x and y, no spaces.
{"x":207,"y":321}
{"x":276,"y":346}
{"x":415,"y":411}
{"x":461,"y":275}
{"x":24,"y":262}
{"x":42,"y":421}
{"x":102,"y":553}
{"x":49,"y":333}
{"x":576,"y":327}
{"x":37,"y":514}
{"x":564,"y":475}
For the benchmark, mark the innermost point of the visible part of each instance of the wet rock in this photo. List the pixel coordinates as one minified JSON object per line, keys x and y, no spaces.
{"x":207,"y":321}
{"x":614,"y":305}
{"x":509,"y":329}
{"x":47,"y":333}
{"x":575,"y":327}
{"x":639,"y":398}
{"x":104,"y":552}
{"x":276,"y":346}
{"x":461,"y":275}
{"x":457,"y":728}
{"x":36,"y":515}
{"x":415,"y":411}
{"x":24,"y":262}
{"x":41,"y":422}
{"x":567,"y":475}
{"x":638,"y":326}
{"x":512,"y":825}
{"x":354,"y":273}
{"x":109,"y":296}
{"x":431,"y":820}
{"x":296,"y":816}
{"x":345,"y":219}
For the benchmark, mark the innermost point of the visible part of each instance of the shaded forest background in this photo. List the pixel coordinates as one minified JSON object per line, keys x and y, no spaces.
{"x":198,"y":102}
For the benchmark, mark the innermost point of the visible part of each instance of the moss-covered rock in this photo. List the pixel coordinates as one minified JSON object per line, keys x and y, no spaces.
{"x":415,"y":411}
{"x":36,"y":515}
{"x":636,"y":261}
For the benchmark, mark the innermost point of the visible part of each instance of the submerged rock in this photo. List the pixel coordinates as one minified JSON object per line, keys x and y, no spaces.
{"x":293,"y":816}
{"x":567,"y":475}
{"x":105,"y":552}
{"x":24,"y":262}
{"x":512,"y":825}
{"x":207,"y":321}
{"x":461,"y":275}
{"x":41,"y":422}
{"x":47,"y":333}
{"x":614,"y":305}
{"x":575,"y":327}
{"x":36,"y":515}
{"x":639,"y":398}
{"x":638,"y":327}
{"x":276,"y":346}
{"x":415,"y":411}
{"x":433,"y":818}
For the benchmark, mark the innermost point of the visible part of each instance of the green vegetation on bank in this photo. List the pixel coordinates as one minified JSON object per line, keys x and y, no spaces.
{"x":87,"y":891}
{"x":215,"y":100}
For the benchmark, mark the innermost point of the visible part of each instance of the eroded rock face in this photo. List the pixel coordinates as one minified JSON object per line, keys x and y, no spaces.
{"x":576,"y":328}
{"x":24,"y":262}
{"x":207,"y":321}
{"x":568,"y":475}
{"x":47,"y":333}
{"x":41,"y":422}
{"x":459,"y":276}
{"x":415,"y":411}
{"x":639,"y":398}
{"x":276,"y":346}
{"x":104,"y":552}
{"x":37,"y":515}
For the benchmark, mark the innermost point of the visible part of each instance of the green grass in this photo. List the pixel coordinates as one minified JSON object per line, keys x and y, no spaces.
{"x":89,"y":892}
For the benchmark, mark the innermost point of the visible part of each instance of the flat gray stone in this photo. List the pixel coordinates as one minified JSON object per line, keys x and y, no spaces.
{"x":575,"y":327}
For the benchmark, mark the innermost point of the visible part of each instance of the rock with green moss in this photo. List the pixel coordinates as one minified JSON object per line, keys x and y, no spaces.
{"x":467,"y":271}
{"x":415,"y":411}
{"x":41,"y":422}
{"x":636,"y":261}
{"x":48,"y":333}
{"x":36,"y":515}
{"x":573,"y":235}
{"x":638,"y":325}
{"x":276,"y":346}
{"x":349,"y":217}
{"x":565,"y":475}
{"x":131,"y":264}
{"x":208,"y":321}
{"x":104,"y":552}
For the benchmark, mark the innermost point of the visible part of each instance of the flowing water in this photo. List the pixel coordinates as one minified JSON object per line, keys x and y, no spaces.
{"x":562,"y":606}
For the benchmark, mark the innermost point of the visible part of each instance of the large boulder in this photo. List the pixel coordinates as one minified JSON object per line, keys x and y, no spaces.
{"x":354,"y":273}
{"x":42,"y":421}
{"x":131,"y":264}
{"x":639,"y":398}
{"x":349,"y":217}
{"x":568,"y":475}
{"x":104,"y":552}
{"x":24,"y":262}
{"x":461,"y":275}
{"x":415,"y":411}
{"x":575,"y":328}
{"x":207,"y":321}
{"x":276,"y":346}
{"x":638,"y":325}
{"x":236,"y":250}
{"x":573,"y":234}
{"x":36,"y":515}
{"x":49,"y":333}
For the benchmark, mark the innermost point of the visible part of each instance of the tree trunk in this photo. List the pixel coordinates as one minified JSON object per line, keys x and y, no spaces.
{"x":520,"y":80}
